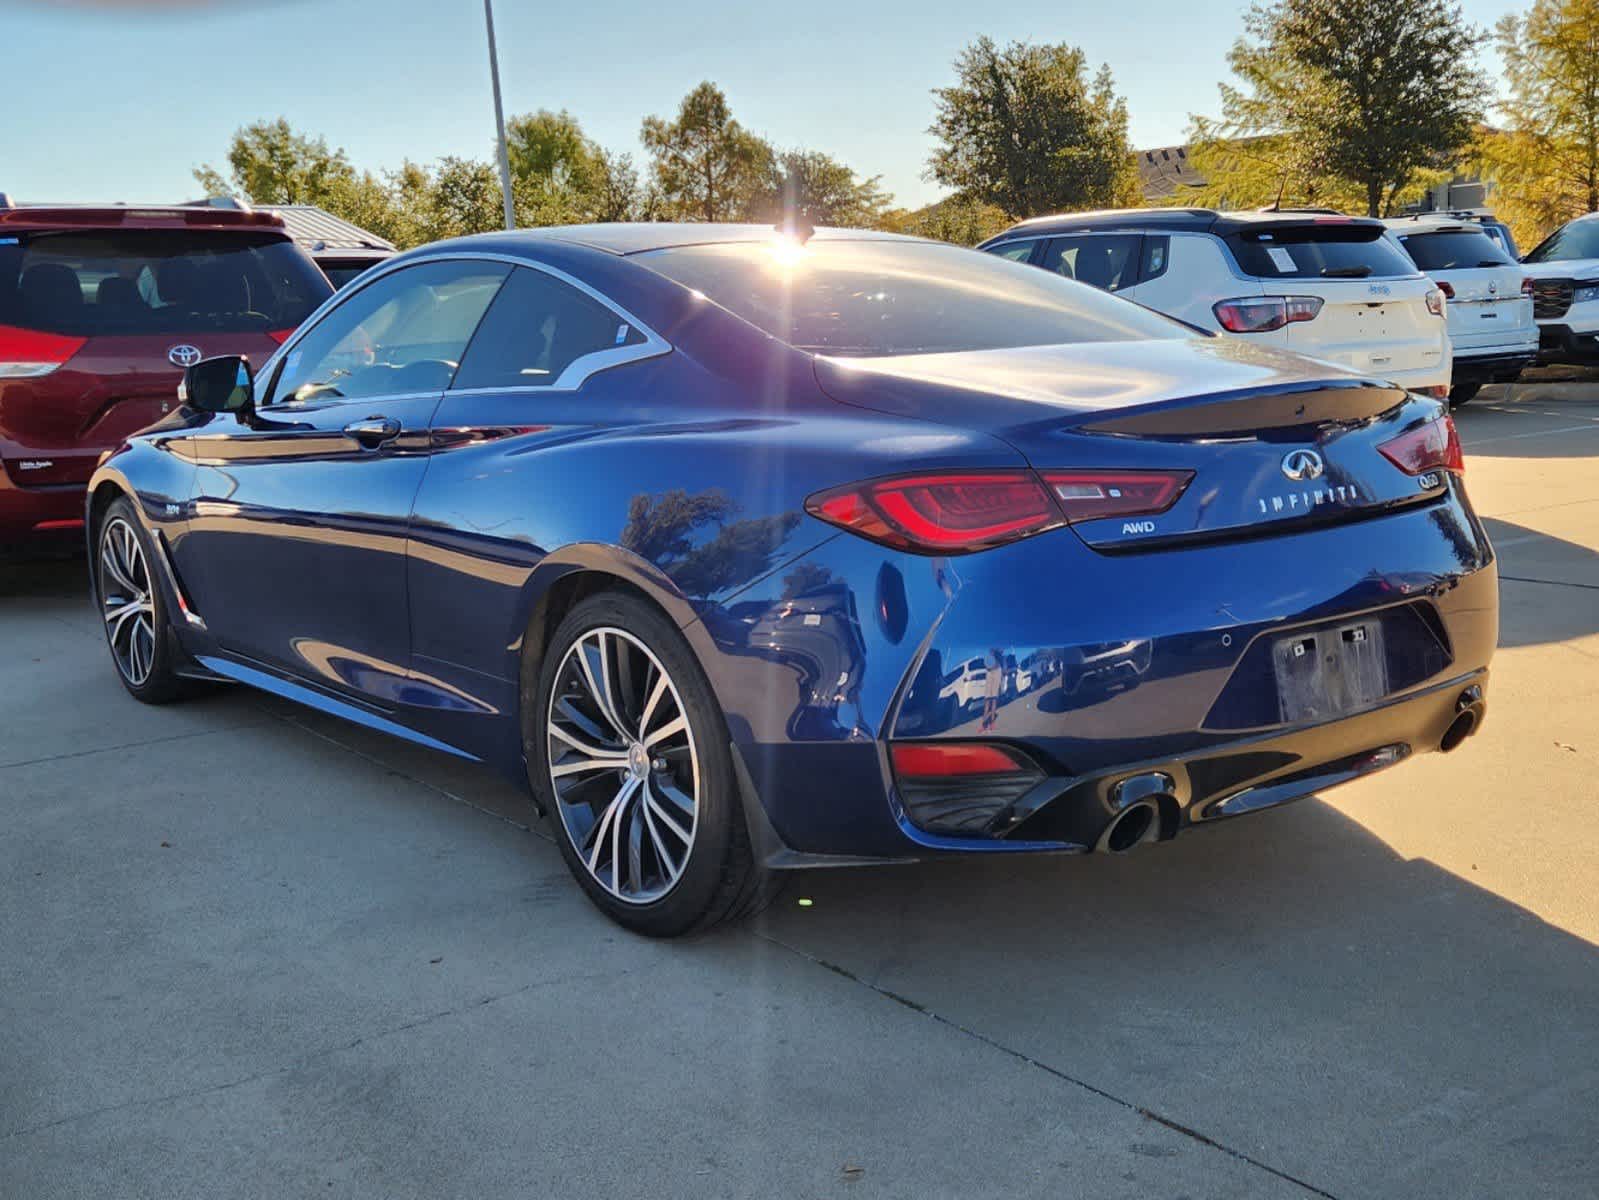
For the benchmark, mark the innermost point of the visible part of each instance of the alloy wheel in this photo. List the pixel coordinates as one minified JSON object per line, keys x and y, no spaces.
{"x":126,"y":601}
{"x":623,"y":765}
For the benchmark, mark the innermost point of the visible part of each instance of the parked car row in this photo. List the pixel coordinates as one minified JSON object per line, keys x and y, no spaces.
{"x":1436,"y":302}
{"x":754,"y":549}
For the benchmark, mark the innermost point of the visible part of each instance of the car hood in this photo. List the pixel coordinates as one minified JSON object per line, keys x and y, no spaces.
{"x":1565,"y":268}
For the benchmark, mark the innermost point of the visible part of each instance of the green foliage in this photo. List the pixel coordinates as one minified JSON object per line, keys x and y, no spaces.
{"x":958,"y":219}
{"x":1344,"y":98}
{"x":1544,"y":158}
{"x":824,"y":188}
{"x":1026,"y":130}
{"x":705,"y":164}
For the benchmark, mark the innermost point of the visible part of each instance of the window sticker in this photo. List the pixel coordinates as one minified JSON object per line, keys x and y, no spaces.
{"x":621,"y":333}
{"x":1280,"y":258}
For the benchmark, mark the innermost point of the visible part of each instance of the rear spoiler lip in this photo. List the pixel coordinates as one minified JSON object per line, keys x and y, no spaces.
{"x":1142,"y":420}
{"x":67,"y":216}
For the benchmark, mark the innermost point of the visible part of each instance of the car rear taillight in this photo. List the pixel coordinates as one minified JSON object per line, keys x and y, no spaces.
{"x":1526,"y":286}
{"x":280,"y":335}
{"x":28,"y":353}
{"x":1262,"y":314}
{"x":935,"y":760}
{"x":1448,"y":289}
{"x":958,"y":512}
{"x":1435,"y":300}
{"x":1434,"y":446}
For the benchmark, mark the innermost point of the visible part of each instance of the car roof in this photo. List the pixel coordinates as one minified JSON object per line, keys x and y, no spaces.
{"x":1185,"y":220}
{"x":58,"y":217}
{"x":1439,"y":224}
{"x":639,"y":237}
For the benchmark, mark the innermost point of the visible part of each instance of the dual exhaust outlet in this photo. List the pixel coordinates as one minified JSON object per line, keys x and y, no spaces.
{"x":1138,"y":801}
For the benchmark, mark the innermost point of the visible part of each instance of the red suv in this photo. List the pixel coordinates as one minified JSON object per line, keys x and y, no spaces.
{"x":100,"y":311}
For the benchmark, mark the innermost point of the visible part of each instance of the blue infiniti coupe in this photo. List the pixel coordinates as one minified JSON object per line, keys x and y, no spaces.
{"x":752,"y":550}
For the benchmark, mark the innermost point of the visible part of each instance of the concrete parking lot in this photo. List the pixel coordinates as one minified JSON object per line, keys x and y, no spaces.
{"x":249,"y":951}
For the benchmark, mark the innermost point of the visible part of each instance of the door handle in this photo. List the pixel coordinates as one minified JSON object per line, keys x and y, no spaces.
{"x":374,"y":431}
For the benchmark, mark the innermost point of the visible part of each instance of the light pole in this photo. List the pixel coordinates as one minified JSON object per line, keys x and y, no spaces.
{"x":499,"y":118}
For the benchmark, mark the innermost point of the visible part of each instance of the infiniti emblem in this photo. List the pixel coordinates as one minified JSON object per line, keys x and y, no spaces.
{"x":184,"y":355}
{"x":1303,"y":464}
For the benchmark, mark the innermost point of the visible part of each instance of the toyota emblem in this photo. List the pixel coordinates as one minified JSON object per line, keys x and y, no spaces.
{"x":1303,"y":464}
{"x":184,"y":355}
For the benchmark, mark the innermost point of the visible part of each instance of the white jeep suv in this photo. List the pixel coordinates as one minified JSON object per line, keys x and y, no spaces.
{"x":1490,"y":299}
{"x":1565,"y":292}
{"x":1329,"y":286}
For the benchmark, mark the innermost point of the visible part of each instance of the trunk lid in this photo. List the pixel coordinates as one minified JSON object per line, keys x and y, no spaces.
{"x":1376,"y":326}
{"x":1274,"y":442}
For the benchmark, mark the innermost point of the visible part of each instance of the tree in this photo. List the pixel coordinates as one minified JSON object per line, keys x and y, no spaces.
{"x":269,"y":163}
{"x":1026,"y":129}
{"x":827,"y":191}
{"x":618,"y":196}
{"x":556,"y":170}
{"x":465,"y":198}
{"x":959,"y":219}
{"x":705,"y":163}
{"x":1368,"y":93}
{"x":1545,"y":156}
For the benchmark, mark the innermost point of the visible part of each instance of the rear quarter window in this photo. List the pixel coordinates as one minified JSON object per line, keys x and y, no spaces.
{"x":1317,"y":252}
{"x":156,"y":282}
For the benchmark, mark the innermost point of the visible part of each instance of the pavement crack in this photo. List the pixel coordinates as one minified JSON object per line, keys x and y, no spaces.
{"x":1589,"y":587}
{"x":389,"y":768}
{"x":149,"y":741}
{"x":1148,"y":1114}
{"x":306,"y":1060}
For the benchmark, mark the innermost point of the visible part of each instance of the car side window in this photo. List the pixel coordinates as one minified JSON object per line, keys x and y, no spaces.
{"x":403,"y":333}
{"x":1108,"y":261}
{"x":1156,"y":256}
{"x":1016,"y":251}
{"x":537,"y":327}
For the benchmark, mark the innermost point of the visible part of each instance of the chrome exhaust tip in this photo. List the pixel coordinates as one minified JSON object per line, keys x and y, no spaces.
{"x":1470,"y":708}
{"x":1135,"y":825}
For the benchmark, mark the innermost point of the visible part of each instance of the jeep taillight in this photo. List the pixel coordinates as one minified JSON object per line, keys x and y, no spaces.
{"x":29,"y":353}
{"x":1262,"y":314}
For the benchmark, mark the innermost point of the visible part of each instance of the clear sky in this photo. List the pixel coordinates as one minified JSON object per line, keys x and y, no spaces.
{"x":120,"y":101}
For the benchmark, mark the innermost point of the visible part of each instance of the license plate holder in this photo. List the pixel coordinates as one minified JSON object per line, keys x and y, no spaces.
{"x":1327,"y":673}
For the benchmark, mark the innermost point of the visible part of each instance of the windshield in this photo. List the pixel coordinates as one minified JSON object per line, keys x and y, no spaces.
{"x":1453,"y":249}
{"x":157,"y":282}
{"x":1325,"y":251}
{"x":1577,"y":239}
{"x":883,"y":298}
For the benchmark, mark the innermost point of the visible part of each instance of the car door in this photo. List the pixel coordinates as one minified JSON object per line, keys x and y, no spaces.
{"x":553,"y":362}
{"x":297,"y":543}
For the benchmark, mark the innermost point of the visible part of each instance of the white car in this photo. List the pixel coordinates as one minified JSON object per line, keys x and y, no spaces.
{"x":1491,"y":327}
{"x":1329,"y":286}
{"x":1565,"y":291}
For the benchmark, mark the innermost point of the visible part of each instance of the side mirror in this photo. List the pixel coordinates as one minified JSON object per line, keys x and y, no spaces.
{"x":224,"y":384}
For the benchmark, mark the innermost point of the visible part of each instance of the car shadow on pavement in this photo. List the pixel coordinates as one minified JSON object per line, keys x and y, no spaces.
{"x":1285,"y":983}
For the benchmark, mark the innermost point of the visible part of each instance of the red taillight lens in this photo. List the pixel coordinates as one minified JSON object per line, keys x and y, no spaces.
{"x":1088,"y":495}
{"x":960,"y":512}
{"x":27,"y":353}
{"x":1435,"y":446}
{"x":280,"y":335}
{"x":933,"y":760}
{"x":1262,"y":314}
{"x":1526,"y":286}
{"x":1448,"y":289}
{"x":952,"y":513}
{"x":1435,"y":299}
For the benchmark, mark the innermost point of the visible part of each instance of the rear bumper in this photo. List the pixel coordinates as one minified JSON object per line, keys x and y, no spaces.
{"x":1560,"y":343}
{"x":1494,"y":367}
{"x":31,"y":513}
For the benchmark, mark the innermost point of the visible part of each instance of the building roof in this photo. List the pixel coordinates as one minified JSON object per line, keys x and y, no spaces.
{"x":317,"y":230}
{"x":1165,"y":172}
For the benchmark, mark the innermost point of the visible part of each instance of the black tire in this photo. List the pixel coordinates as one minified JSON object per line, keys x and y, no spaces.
{"x":1462,"y":393}
{"x":144,"y":650}
{"x":719,"y":880}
